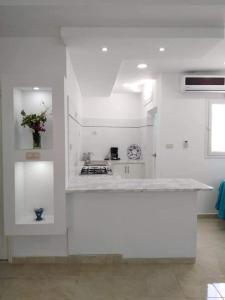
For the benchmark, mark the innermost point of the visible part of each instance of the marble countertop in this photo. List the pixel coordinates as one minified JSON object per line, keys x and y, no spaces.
{"x":116,"y":184}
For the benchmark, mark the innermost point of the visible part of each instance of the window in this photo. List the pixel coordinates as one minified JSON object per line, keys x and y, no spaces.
{"x":216,"y":129}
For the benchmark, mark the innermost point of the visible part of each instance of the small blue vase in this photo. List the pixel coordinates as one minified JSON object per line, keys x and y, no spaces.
{"x":39,"y":213}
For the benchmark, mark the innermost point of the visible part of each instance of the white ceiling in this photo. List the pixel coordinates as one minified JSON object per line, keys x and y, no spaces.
{"x":192,"y":31}
{"x":45,"y":17}
{"x":99,"y":73}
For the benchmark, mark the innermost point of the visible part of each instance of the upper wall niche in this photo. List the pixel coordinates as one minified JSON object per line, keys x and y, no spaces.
{"x":32,"y":102}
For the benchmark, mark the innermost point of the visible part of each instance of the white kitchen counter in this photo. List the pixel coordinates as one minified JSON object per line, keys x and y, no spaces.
{"x":116,"y":184}
{"x":137,"y":218}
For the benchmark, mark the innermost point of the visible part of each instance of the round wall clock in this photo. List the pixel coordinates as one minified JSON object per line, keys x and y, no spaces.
{"x":134,"y":152}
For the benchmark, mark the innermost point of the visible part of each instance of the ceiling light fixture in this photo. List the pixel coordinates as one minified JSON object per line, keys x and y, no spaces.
{"x":36,"y":88}
{"x":142,"y":66}
{"x":104,"y":49}
{"x":162,"y":49}
{"x":139,"y":86}
{"x":132,"y":87}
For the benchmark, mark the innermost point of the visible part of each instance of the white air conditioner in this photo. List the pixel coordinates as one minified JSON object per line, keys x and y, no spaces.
{"x":203,"y":83}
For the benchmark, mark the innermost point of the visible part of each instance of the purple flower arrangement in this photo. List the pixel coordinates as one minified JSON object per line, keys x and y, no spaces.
{"x":37,"y":123}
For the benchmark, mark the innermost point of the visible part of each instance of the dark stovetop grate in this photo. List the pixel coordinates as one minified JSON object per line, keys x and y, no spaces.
{"x":96,"y":170}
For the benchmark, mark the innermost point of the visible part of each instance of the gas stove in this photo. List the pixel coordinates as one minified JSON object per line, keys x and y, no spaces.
{"x":96,"y":170}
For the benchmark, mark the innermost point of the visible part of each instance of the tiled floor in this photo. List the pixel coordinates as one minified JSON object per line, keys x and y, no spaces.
{"x":203,"y":280}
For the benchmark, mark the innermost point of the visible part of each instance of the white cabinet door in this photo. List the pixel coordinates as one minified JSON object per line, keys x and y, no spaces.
{"x":126,"y":170}
{"x":119,"y":169}
{"x":135,"y":170}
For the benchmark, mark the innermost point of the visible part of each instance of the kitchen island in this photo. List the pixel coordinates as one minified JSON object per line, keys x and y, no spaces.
{"x":137,"y":218}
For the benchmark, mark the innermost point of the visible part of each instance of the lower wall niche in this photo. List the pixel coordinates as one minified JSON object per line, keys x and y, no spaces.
{"x":34,"y":189}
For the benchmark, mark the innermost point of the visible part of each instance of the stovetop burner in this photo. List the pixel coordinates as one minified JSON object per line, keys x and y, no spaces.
{"x":96,"y":170}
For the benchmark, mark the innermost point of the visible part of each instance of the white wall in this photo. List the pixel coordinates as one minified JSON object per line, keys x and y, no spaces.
{"x":111,"y":122}
{"x":44,"y":56}
{"x":42,"y":60}
{"x":73,"y":119}
{"x":73,"y":90}
{"x":39,"y":246}
{"x":3,"y":243}
{"x":183,"y":117}
{"x":99,"y":140}
{"x":118,"y":106}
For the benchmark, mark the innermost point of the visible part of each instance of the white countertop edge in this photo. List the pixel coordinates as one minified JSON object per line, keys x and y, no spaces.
{"x":72,"y":190}
{"x":134,"y":185}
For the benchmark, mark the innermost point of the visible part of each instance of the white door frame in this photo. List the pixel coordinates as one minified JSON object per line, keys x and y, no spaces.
{"x":153,"y":115}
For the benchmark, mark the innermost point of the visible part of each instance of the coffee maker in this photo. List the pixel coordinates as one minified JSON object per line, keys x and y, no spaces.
{"x":114,"y":153}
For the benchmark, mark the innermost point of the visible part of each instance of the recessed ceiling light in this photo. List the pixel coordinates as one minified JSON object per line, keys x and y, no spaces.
{"x":104,"y":49}
{"x":142,"y":66}
{"x":162,"y":49}
{"x":36,"y":88}
{"x":132,"y":87}
{"x":138,"y":86}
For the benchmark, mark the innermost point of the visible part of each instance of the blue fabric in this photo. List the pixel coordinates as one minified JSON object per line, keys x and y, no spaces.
{"x":220,"y":204}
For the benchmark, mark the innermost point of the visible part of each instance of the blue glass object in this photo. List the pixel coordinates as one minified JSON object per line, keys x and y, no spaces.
{"x":39,"y":213}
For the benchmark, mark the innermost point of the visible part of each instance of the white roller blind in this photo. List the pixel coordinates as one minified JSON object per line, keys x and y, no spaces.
{"x":217,"y":139}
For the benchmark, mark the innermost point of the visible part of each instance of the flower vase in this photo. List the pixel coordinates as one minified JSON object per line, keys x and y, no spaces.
{"x":36,"y":139}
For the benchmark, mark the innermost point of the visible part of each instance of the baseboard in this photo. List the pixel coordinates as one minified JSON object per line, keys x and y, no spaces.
{"x":172,"y":260}
{"x":71,"y":259}
{"x":98,"y":259}
{"x":208,"y":216}
{"x":40,"y":260}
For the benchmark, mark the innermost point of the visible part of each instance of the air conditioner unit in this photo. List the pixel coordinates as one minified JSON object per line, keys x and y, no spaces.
{"x":203,"y":83}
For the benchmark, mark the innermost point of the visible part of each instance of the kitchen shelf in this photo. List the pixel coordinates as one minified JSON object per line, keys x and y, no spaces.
{"x":48,"y":219}
{"x":34,"y":188}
